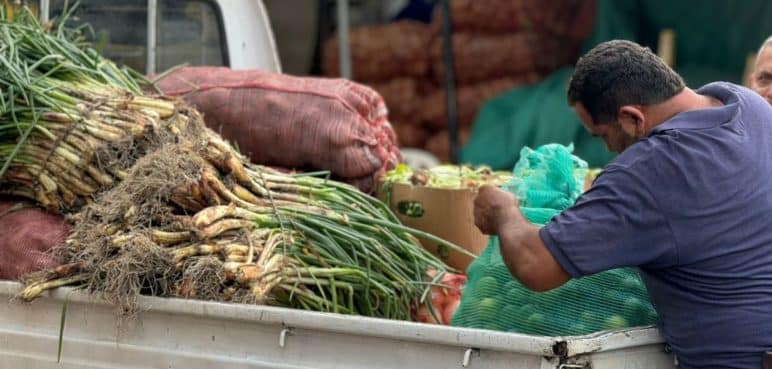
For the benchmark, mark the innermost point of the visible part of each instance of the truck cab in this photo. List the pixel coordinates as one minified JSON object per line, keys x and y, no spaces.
{"x":152,"y":36}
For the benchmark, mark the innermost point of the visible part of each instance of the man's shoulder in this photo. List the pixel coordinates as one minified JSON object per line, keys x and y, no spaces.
{"x":640,"y":155}
{"x":719,"y":88}
{"x":729,"y":93}
{"x":661,"y":146}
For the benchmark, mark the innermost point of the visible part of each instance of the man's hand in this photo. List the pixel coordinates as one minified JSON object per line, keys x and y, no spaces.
{"x":492,"y":208}
{"x":497,"y":212}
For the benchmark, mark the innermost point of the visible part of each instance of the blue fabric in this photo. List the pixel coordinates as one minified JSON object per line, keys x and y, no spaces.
{"x":420,"y":10}
{"x":691,"y":205}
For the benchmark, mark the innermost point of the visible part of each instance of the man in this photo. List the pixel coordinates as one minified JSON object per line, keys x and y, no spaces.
{"x":687,"y":201}
{"x":761,"y":80}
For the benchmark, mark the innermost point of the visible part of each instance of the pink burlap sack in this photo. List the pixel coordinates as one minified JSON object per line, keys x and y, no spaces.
{"x":294,"y":122}
{"x":28,"y":235}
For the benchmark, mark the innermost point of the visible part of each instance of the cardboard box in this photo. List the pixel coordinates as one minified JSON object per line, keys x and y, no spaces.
{"x":445,"y":213}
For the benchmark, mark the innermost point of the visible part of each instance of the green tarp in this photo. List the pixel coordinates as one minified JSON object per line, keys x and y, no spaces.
{"x":713,"y":38}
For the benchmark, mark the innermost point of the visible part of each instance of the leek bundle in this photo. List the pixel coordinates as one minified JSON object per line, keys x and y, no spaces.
{"x":161,"y":205}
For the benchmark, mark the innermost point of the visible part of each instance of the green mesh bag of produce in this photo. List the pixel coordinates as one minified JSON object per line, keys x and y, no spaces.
{"x":548,"y":180}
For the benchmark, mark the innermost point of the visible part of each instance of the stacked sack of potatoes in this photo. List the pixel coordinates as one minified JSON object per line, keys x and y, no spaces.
{"x":498,"y":45}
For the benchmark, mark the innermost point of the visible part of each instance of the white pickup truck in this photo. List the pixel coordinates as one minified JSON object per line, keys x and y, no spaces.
{"x":68,"y":329}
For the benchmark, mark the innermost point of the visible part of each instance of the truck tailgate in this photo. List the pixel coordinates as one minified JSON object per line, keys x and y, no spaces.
{"x":174,"y":333}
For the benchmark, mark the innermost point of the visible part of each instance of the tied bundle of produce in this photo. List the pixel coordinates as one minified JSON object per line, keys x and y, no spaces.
{"x":161,"y":205}
{"x":71,"y":123}
{"x":548,"y":180}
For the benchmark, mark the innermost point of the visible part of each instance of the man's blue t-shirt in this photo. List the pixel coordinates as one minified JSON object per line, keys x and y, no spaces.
{"x":691,"y":205}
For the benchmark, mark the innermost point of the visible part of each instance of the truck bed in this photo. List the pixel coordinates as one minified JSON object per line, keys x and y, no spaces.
{"x":190,"y":334}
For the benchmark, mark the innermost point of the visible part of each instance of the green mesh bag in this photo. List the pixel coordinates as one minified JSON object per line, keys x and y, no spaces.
{"x":548,"y":180}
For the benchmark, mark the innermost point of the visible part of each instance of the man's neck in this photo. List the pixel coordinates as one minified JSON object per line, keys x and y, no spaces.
{"x":685,"y":100}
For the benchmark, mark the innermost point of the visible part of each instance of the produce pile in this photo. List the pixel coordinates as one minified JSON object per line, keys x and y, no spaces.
{"x":161,"y":205}
{"x":548,"y":180}
{"x":376,"y":56}
{"x":498,"y":45}
{"x":447,"y":176}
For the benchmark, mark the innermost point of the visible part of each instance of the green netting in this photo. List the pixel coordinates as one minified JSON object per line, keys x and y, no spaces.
{"x":548,"y":180}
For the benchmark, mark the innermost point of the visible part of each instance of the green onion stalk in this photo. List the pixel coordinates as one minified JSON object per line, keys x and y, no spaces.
{"x":60,"y":104}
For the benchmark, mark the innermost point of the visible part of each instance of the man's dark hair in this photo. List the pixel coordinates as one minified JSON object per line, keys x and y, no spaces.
{"x":617,"y":73}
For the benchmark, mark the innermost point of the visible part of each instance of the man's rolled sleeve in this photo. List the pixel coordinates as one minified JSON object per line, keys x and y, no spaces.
{"x":617,"y":223}
{"x":558,"y":253}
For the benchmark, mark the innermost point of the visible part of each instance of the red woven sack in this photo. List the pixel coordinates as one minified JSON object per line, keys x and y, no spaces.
{"x":294,"y":122}
{"x":28,"y":234}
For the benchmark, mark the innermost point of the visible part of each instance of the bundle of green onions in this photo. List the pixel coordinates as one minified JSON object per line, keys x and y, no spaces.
{"x":62,"y":108}
{"x":255,"y":235}
{"x":161,"y":205}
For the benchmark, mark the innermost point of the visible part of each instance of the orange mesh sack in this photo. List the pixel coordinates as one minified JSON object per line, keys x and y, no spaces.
{"x":294,"y":122}
{"x":402,"y":97}
{"x":469,"y":99}
{"x":483,"y":57}
{"x":382,"y":52}
{"x":572,"y":18}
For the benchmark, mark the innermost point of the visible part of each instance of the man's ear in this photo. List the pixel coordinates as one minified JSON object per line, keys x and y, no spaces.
{"x":633,"y":120}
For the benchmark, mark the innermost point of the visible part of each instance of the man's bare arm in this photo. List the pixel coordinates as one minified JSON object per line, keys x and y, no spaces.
{"x":497,"y":212}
